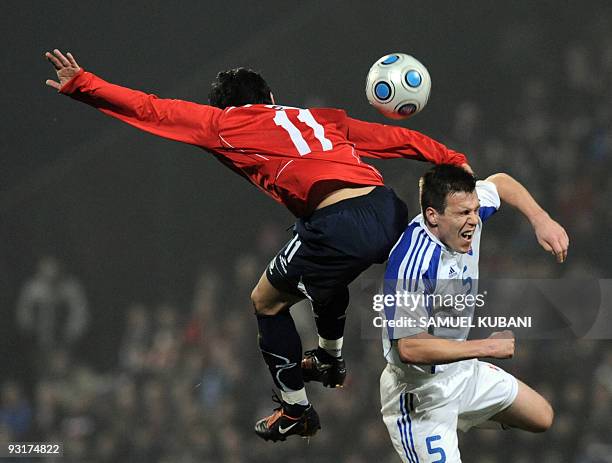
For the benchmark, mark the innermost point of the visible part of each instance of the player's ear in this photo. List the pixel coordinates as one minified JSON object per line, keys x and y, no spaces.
{"x":431,"y":216}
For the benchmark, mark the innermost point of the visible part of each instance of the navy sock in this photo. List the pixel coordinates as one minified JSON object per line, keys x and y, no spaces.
{"x":330,"y":315}
{"x":281,"y":347}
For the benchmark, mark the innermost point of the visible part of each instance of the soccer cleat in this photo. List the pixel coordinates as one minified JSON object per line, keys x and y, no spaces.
{"x":324,"y":368}
{"x":280,"y":425}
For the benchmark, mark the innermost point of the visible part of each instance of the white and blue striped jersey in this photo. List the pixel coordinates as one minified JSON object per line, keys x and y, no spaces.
{"x":421,"y":267}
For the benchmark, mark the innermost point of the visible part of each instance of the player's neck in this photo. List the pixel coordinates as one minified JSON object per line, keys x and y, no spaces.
{"x":435,"y":231}
{"x":432,"y":229}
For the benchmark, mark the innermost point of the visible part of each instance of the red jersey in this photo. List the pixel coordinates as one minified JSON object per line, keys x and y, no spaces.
{"x":297,"y":156}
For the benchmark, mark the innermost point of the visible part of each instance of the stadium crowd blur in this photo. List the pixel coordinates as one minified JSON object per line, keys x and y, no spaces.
{"x":186,"y":382}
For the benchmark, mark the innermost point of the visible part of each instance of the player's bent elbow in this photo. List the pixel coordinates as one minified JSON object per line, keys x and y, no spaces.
{"x":405,"y":356}
{"x":414,"y":359}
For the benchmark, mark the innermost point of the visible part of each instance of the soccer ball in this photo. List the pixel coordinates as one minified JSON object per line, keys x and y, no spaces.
{"x":398,"y":86}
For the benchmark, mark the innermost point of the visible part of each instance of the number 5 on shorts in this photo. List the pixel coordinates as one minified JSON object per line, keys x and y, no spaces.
{"x":435,"y":450}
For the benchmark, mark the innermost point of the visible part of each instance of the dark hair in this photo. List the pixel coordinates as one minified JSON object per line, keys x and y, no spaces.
{"x":238,"y":87}
{"x":441,"y":180}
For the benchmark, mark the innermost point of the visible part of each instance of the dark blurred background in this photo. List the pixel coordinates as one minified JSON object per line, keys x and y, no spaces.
{"x":127,"y":260}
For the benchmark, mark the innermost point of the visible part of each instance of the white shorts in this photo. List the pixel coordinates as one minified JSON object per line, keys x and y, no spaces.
{"x":423,"y":413}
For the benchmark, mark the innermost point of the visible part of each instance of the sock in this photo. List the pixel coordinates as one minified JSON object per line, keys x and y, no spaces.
{"x":332,"y":346}
{"x":295,"y":397}
{"x":330,"y":317}
{"x":281,"y":347}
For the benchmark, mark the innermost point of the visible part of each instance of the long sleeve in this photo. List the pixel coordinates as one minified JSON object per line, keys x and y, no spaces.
{"x":387,"y":142}
{"x":178,"y":120}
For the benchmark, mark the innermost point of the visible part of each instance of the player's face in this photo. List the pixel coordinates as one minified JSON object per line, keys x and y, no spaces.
{"x":457,"y":225}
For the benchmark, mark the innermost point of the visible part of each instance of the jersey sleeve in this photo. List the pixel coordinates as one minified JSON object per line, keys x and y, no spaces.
{"x":407,"y":315}
{"x":489,"y":199}
{"x":387,"y":142}
{"x":178,"y":120}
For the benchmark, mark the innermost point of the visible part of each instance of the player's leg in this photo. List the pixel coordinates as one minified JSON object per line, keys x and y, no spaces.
{"x":495,"y":395}
{"x":346,"y":238}
{"x":422,"y":425}
{"x":330,"y":318}
{"x":325,"y":363}
{"x":268,"y":300}
{"x":281,"y":348}
{"x":529,"y":411}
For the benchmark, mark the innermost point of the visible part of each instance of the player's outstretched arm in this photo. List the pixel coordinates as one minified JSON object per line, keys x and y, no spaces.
{"x":174,"y":119}
{"x":551,"y":236}
{"x":383,"y":141}
{"x":66,"y":68}
{"x":425,"y":349}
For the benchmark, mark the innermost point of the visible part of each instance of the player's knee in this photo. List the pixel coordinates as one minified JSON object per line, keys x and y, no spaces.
{"x":257,"y":301}
{"x":545,"y":418}
{"x":262,"y":304}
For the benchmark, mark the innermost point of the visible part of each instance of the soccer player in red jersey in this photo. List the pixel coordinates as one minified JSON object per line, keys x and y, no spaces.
{"x":310,"y":161}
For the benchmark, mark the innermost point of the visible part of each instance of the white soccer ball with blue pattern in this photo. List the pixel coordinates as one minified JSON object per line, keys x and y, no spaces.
{"x":398,"y":86}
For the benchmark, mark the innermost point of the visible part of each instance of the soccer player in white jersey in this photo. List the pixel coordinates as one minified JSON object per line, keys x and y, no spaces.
{"x":434,"y":382}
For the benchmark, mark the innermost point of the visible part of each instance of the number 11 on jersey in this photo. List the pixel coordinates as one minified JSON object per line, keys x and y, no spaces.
{"x":282,"y":120}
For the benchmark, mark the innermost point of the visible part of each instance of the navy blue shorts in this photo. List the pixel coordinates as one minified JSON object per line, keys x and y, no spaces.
{"x":335,"y":244}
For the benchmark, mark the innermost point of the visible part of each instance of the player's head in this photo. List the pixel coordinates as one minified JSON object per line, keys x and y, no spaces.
{"x":238,"y":87}
{"x":450,"y":205}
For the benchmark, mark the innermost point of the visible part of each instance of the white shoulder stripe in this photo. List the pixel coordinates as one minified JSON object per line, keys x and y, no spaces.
{"x":402,"y":267}
{"x":415,"y":255}
{"x":424,"y":263}
{"x":421,"y":263}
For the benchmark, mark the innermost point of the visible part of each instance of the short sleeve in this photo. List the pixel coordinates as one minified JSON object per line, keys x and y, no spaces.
{"x":489,"y":199}
{"x":404,"y":311}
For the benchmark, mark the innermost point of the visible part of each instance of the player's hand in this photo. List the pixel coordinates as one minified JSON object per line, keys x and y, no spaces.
{"x":501,"y":344}
{"x":66,"y":68}
{"x":551,"y":236}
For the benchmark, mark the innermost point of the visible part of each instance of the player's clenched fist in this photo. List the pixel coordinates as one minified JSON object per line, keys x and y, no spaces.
{"x":501,"y":344}
{"x":66,"y":68}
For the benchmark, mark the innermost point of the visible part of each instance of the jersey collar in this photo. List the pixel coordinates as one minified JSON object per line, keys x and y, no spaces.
{"x":421,"y":221}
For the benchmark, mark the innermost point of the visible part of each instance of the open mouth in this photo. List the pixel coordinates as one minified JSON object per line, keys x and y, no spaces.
{"x":467,"y":235}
